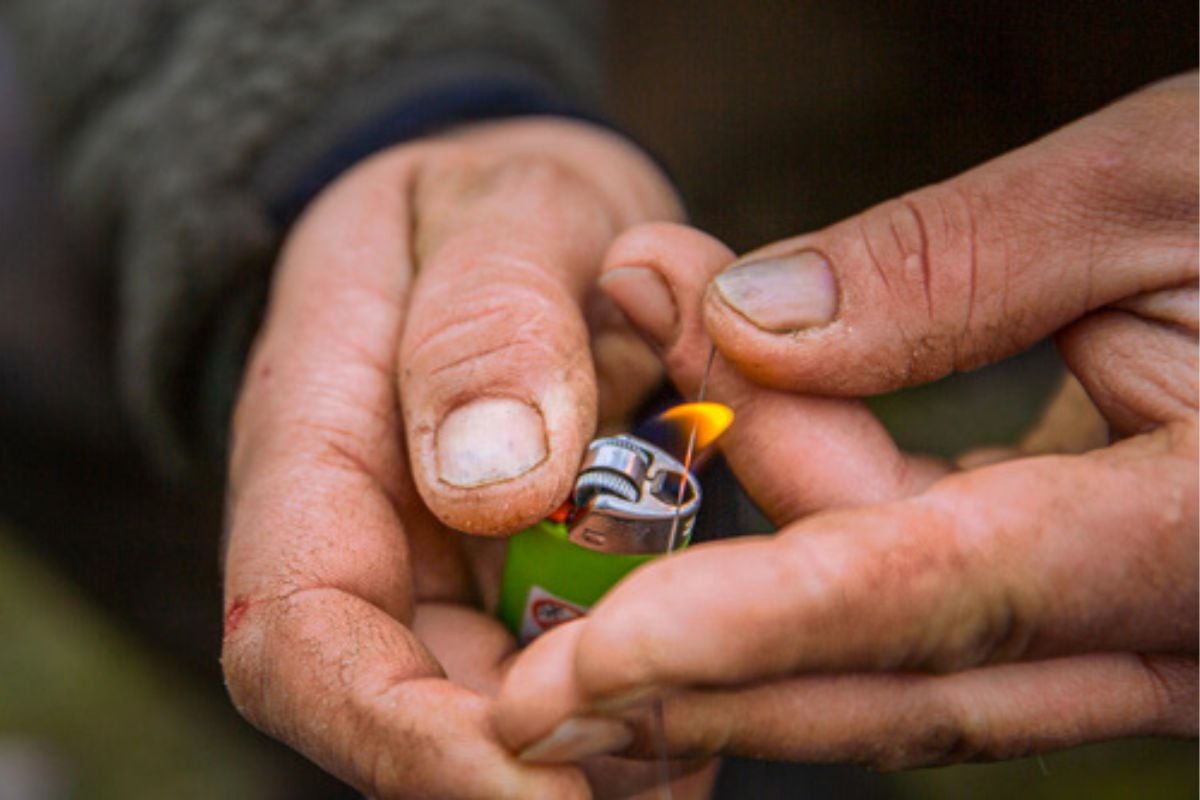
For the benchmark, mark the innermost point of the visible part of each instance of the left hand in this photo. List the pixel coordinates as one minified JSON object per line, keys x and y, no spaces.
{"x":432,"y":358}
{"x":1011,"y":609}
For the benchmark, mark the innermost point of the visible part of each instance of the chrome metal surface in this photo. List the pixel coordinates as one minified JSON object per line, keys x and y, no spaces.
{"x":609,"y":519}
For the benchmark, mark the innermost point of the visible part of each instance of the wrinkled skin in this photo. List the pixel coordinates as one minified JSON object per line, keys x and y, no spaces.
{"x":927,"y":615}
{"x":438,"y":273}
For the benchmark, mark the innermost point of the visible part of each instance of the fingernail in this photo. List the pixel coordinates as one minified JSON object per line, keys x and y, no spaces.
{"x":579,"y":738}
{"x":785,"y":293}
{"x":644,"y":297}
{"x":488,"y":441}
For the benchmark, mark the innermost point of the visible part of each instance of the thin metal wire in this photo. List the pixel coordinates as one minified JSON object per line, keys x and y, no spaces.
{"x":690,"y":452}
{"x":660,"y":723}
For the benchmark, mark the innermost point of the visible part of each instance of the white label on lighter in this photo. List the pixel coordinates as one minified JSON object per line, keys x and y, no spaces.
{"x":544,"y":611}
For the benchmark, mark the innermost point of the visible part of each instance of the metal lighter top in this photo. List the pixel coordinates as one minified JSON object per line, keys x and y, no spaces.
{"x":632,"y":497}
{"x":632,"y":502}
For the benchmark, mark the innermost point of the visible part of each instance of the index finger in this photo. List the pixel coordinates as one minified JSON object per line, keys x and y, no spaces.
{"x":795,"y":454}
{"x":317,"y":648}
{"x":1005,"y":563}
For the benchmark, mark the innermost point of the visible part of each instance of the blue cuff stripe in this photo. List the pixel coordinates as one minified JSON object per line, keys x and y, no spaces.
{"x":474,"y":100}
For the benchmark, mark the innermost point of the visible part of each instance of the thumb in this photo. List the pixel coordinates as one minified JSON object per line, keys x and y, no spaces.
{"x":496,"y":378}
{"x":977,"y":268}
{"x":794,"y":454}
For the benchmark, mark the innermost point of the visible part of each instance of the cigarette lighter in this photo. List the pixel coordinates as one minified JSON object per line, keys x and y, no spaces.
{"x":632,"y":501}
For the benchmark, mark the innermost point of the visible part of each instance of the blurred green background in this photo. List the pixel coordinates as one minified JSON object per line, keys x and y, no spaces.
{"x":90,"y":711}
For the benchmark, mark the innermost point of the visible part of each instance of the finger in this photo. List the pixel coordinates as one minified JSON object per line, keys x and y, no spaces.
{"x":900,"y":721}
{"x":315,"y":471}
{"x":977,"y":268}
{"x":627,"y":369}
{"x":469,"y":646}
{"x":1138,"y":363}
{"x":794,"y":454}
{"x":332,"y":676}
{"x":317,"y":589}
{"x":1028,"y":559}
{"x":497,"y":384}
{"x":537,"y":689}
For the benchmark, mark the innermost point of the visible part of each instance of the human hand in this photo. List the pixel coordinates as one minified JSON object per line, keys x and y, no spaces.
{"x":1006,"y":610}
{"x":446,"y":282}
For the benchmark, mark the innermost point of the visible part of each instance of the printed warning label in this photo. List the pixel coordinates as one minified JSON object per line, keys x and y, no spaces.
{"x":544,"y":611}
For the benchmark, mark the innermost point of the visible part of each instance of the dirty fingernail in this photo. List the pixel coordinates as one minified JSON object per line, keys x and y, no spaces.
{"x":784,"y":293}
{"x":488,"y":441}
{"x":644,"y":297}
{"x":579,"y":738}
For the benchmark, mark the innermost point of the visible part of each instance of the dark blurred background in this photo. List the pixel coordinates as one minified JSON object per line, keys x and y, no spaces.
{"x":774,"y":118}
{"x":777,"y":118}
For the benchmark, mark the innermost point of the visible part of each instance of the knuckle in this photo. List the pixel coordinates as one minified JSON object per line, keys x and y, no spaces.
{"x":939,"y":730}
{"x":1125,"y":203}
{"x":989,"y":630}
{"x":485,"y":333}
{"x":1171,"y":688}
{"x":929,"y":556}
{"x":452,"y":189}
{"x":536,"y":172}
{"x":1130,"y":185}
{"x":921,"y":570}
{"x":343,"y":449}
{"x":993,"y":620}
{"x":518,"y":174}
{"x":1140,"y":375}
{"x":1142,"y":167}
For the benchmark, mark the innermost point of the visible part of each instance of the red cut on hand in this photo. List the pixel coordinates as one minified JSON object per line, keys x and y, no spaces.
{"x":433,"y":359}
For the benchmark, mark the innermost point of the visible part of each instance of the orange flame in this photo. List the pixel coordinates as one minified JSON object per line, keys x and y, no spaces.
{"x":708,"y":420}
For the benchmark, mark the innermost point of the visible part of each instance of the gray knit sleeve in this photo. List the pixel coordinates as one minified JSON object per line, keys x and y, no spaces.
{"x":177,"y":124}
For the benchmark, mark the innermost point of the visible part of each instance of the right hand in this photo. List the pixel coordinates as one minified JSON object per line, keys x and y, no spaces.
{"x":1008,"y":609}
{"x":439,"y":296}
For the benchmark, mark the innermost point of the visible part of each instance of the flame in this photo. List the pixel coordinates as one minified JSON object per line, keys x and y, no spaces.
{"x":708,"y":420}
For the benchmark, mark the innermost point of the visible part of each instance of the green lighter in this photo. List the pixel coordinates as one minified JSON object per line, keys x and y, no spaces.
{"x":632,"y":501}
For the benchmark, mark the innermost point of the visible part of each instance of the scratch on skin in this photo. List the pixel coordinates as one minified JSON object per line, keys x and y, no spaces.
{"x":234,"y":616}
